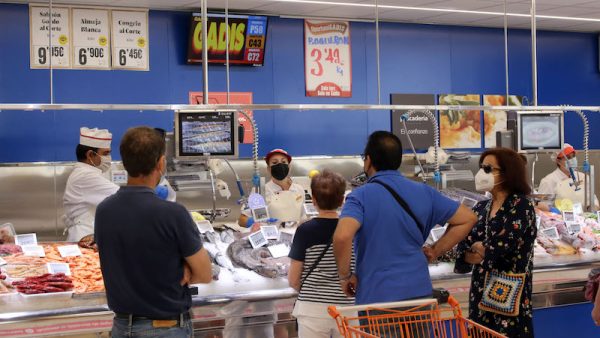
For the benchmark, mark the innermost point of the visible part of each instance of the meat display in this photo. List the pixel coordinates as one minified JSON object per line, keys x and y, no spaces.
{"x":9,"y":249}
{"x":46,"y":283}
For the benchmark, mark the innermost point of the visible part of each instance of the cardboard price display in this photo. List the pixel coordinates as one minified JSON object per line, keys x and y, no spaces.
{"x":130,"y":40}
{"x":327,"y":58}
{"x":91,"y":38}
{"x":40,"y":24}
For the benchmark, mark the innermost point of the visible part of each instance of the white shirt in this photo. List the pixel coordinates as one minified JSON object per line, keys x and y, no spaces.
{"x":86,"y":188}
{"x":550,"y":183}
{"x":272,"y":188}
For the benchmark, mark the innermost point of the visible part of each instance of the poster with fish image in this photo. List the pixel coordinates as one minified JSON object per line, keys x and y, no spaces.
{"x":460,"y":128}
{"x":494,"y":121}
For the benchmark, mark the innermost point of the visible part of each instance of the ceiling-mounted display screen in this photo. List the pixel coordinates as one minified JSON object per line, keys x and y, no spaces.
{"x":541,"y":131}
{"x":247,"y":38}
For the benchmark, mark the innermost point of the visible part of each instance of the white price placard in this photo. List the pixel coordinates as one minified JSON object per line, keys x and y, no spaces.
{"x":33,"y":250}
{"x":327,"y":58}
{"x":69,"y":250}
{"x":40,"y":24}
{"x":26,"y":239}
{"x":59,"y":268}
{"x":437,"y":233}
{"x":578,"y":209}
{"x":551,"y":233}
{"x":568,"y":216}
{"x":257,"y":239}
{"x":91,"y":38}
{"x":2,"y":261}
{"x":130,"y":40}
{"x":204,"y":226}
{"x":279,"y":250}
{"x":574,"y":228}
{"x":468,"y":202}
{"x":270,"y":231}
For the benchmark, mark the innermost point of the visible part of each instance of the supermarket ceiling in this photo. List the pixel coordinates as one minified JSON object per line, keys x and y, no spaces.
{"x":563,"y":15}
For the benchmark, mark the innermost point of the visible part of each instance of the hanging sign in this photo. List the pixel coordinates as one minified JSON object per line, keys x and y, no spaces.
{"x":91,"y":38}
{"x":40,"y":39}
{"x":327,"y":59}
{"x":130,"y":40}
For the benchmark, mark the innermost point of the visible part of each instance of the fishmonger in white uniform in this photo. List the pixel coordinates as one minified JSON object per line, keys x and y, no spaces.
{"x":86,"y":186}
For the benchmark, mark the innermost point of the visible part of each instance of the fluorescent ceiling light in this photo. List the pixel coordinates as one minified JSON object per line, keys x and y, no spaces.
{"x":438,"y":10}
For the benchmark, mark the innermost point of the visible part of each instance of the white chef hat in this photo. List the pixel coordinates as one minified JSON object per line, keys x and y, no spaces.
{"x":95,"y":138}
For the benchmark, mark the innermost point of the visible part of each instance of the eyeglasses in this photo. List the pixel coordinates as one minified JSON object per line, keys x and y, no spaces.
{"x":488,"y":168}
{"x":363,"y":156}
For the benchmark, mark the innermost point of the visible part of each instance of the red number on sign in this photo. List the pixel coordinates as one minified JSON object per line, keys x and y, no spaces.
{"x":333,"y":55}
{"x":316,"y":53}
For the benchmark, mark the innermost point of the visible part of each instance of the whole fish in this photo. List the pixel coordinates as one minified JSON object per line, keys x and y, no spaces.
{"x":260,"y":260}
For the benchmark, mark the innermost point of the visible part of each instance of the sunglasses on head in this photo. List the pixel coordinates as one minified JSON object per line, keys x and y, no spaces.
{"x":488,"y":168}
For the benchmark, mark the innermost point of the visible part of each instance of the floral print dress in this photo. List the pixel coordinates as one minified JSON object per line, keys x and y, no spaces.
{"x":508,"y":239}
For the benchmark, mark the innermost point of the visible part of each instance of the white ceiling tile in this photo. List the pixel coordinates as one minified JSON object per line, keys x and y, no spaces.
{"x":571,"y":11}
{"x":351,"y":12}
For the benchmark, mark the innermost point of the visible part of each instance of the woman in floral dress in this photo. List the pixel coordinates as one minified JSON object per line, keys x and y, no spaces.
{"x":501,"y":243}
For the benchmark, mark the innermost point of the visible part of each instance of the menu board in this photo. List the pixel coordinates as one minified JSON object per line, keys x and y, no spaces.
{"x":495,"y":121}
{"x":91,"y":38}
{"x":327,"y":58}
{"x":40,"y":39}
{"x":460,"y":128}
{"x":130,"y":40}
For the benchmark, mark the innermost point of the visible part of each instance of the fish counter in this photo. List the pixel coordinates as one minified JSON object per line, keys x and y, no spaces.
{"x":249,"y":295}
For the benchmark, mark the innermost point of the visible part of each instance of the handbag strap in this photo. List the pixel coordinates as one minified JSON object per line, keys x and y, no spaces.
{"x":317,"y":261}
{"x":404,"y":206}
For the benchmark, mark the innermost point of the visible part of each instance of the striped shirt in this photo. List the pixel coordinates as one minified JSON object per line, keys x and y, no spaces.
{"x":322,"y":285}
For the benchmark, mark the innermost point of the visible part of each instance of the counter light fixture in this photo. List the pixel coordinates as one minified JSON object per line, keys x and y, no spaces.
{"x":437,"y":10}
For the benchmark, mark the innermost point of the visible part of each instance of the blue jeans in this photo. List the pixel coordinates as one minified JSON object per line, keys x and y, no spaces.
{"x":143,"y":328}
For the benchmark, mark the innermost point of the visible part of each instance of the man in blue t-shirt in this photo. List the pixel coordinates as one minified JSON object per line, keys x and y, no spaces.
{"x":391,"y":264}
{"x":150,"y":249}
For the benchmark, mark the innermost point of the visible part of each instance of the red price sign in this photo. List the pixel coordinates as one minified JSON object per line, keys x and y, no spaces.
{"x":327,"y":58}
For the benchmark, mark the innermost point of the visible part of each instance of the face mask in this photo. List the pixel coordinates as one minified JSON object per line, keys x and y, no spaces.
{"x":104,"y":162}
{"x":280,"y":171}
{"x":572,"y":162}
{"x":484,"y":182}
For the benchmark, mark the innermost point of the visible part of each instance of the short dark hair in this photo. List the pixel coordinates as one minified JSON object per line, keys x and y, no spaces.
{"x":141,"y":148}
{"x":81,"y":152}
{"x":385,"y":150}
{"x":328,"y":189}
{"x":513,"y":170}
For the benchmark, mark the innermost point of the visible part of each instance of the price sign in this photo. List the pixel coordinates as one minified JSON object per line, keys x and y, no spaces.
{"x":270,"y":231}
{"x":204,"y":226}
{"x":279,"y":250}
{"x":41,"y":55}
{"x":26,"y":239}
{"x":574,"y":228}
{"x":130,"y":40}
{"x":2,"y":261}
{"x":551,"y":233}
{"x":91,"y":38}
{"x":568,"y":216}
{"x":578,"y":209}
{"x":69,"y":250}
{"x":437,"y":233}
{"x":33,"y":250}
{"x":59,"y":268}
{"x":327,"y":60}
{"x":468,"y":202}
{"x":257,"y":239}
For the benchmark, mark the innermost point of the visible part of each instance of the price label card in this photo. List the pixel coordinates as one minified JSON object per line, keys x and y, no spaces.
{"x":40,"y":24}
{"x":256,"y":201}
{"x":270,"y":231}
{"x":468,"y":202}
{"x":204,"y":226}
{"x":578,"y":209}
{"x":598,"y":215}
{"x":33,"y":250}
{"x":119,"y":176}
{"x":538,"y":221}
{"x":310,"y":210}
{"x":130,"y":40}
{"x":2,"y":261}
{"x":91,"y":38}
{"x":26,"y":239}
{"x":437,"y":233}
{"x":551,"y":233}
{"x":279,"y":250}
{"x":574,"y":228}
{"x":59,"y":268}
{"x":327,"y":61}
{"x":69,"y":250}
{"x":260,"y":214}
{"x":568,"y":216}
{"x":257,"y":239}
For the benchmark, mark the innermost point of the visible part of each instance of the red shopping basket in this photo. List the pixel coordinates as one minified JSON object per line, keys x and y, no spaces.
{"x":408,"y":319}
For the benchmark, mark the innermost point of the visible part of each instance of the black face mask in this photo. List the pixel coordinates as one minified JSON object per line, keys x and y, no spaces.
{"x":280,"y":171}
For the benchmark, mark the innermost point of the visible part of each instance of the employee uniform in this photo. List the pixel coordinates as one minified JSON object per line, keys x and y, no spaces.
{"x":549,"y":183}
{"x":143,"y":241}
{"x":322,"y":287}
{"x":390,"y":263}
{"x":272,"y":188}
{"x":86,"y":188}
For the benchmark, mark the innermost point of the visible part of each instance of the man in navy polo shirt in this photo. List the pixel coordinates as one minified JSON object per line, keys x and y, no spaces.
{"x":391,"y":264}
{"x":149,"y":248}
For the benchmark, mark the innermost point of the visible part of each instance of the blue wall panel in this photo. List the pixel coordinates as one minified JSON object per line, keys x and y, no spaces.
{"x":414,"y":59}
{"x":565,"y":322}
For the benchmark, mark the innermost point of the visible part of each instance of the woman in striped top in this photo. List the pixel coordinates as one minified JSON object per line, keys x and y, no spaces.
{"x":319,"y":288}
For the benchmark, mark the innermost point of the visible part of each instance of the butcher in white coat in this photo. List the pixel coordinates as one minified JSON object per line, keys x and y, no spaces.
{"x":87,"y":186}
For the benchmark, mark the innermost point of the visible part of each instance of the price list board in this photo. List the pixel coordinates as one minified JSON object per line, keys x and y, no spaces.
{"x":91,"y":38}
{"x":130,"y":40}
{"x":49,"y":37}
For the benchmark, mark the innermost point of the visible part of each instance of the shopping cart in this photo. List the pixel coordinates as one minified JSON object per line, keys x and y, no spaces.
{"x":408,"y":319}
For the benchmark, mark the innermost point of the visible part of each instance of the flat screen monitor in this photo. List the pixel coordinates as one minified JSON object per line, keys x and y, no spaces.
{"x":540,"y":131}
{"x":203,"y":134}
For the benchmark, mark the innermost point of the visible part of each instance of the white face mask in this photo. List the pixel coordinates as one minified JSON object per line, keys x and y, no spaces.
{"x":572,"y":163}
{"x":104,"y":163}
{"x":484,"y":182}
